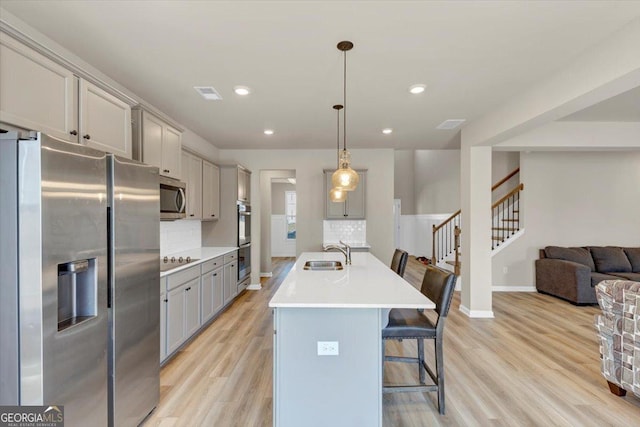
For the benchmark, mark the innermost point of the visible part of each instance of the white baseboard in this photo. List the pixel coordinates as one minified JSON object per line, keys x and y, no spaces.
{"x":269,"y":274}
{"x":478,"y":314}
{"x":514,"y":289}
{"x":254,"y":287}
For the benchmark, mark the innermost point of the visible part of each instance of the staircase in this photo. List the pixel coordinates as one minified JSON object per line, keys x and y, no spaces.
{"x":505,"y":214}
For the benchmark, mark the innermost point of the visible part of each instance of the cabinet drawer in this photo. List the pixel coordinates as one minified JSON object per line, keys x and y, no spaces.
{"x":230,"y":257}
{"x":212,"y":264}
{"x":177,"y":279}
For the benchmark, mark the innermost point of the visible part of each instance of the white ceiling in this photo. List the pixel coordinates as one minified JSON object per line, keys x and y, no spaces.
{"x":621,"y":108}
{"x":472,"y":55}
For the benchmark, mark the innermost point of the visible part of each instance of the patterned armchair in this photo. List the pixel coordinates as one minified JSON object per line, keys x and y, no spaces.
{"x":619,"y":332}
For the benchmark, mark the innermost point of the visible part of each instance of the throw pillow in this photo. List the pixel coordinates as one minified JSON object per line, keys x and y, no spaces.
{"x":634,"y":258}
{"x":579,"y":255}
{"x":610,"y":259}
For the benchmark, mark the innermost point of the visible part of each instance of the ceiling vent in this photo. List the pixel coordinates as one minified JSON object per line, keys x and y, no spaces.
{"x":450,"y":124}
{"x":208,"y":92}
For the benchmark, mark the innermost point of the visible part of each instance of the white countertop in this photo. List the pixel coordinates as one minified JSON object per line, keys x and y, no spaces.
{"x":366,"y":283}
{"x":201,"y":254}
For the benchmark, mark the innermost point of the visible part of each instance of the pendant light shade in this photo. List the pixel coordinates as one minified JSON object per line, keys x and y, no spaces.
{"x":336,"y":194}
{"x":345,"y":178}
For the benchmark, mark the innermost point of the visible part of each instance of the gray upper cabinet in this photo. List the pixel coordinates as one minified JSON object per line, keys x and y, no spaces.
{"x":244,"y":185}
{"x":105,"y":121}
{"x":192,"y":176}
{"x":157,"y":143}
{"x":210,"y":191}
{"x":203,"y":187}
{"x":39,"y":94}
{"x":355,"y":205}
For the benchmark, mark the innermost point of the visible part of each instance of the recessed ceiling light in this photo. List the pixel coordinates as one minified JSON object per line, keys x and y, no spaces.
{"x":208,"y":92}
{"x":268,"y":131}
{"x":416,"y":89}
{"x":387,"y":131}
{"x":242,"y":90}
{"x":450,"y":124}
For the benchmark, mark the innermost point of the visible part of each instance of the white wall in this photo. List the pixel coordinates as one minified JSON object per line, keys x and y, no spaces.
{"x":572,"y":199}
{"x":437,"y":181}
{"x":308,"y":166}
{"x":278,"y":197}
{"x":403,"y":182}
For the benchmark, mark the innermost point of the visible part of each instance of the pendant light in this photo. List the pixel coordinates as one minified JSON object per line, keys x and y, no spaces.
{"x":345,"y":178}
{"x":336,"y":194}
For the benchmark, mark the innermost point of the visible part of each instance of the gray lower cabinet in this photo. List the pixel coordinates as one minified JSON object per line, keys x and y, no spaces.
{"x":192,"y":297}
{"x":212,"y":293}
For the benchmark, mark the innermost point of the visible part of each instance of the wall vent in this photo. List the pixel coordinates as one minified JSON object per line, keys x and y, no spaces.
{"x":208,"y":92}
{"x":450,"y":124}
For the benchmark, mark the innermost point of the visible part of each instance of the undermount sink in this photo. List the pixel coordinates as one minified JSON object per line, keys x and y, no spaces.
{"x":323,"y":265}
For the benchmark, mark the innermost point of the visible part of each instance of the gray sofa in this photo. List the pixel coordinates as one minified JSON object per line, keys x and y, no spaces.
{"x":573,"y":273}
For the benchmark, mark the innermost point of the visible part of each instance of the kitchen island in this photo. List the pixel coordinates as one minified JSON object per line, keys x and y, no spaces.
{"x":327,"y":340}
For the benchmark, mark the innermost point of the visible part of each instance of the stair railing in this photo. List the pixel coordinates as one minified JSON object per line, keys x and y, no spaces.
{"x":443,"y":238}
{"x":444,"y":241}
{"x":506,"y":216}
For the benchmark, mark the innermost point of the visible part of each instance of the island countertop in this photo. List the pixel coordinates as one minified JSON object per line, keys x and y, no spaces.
{"x":366,"y":283}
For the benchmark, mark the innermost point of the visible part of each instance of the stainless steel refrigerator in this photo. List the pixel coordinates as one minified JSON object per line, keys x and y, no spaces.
{"x":79,"y":299}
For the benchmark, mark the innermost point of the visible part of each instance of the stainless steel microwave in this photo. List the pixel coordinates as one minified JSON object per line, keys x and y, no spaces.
{"x":173,"y":200}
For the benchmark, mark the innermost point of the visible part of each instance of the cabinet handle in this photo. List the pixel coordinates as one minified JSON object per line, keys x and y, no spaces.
{"x":215,"y":274}
{"x":191,"y":214}
{"x":166,"y":300}
{"x":87,"y":136}
{"x":189,"y":288}
{"x":74,"y":132}
{"x":166,"y":171}
{"x":213,"y":214}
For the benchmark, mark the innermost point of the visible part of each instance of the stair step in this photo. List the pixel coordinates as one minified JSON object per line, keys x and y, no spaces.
{"x":516,"y":211}
{"x":452,"y":263}
{"x":498,"y":238}
{"x":511,"y":220}
{"x":504,"y":229}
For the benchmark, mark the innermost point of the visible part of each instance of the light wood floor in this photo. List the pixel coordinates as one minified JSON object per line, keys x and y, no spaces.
{"x":535,"y":364}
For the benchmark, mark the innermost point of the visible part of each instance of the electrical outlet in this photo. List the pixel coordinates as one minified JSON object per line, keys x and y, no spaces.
{"x":328,"y":348}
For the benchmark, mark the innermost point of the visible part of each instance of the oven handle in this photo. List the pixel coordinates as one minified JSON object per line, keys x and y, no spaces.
{"x":245,"y":245}
{"x":181,"y":199}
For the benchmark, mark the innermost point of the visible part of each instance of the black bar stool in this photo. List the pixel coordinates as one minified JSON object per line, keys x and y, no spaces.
{"x":399,"y":261}
{"x":407,"y":323}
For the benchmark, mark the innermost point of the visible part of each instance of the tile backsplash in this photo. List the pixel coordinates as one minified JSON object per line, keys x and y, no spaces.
{"x":348,"y":231}
{"x":176,"y":236}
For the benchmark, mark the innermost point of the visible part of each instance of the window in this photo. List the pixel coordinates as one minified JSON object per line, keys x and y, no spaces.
{"x":290,"y":213}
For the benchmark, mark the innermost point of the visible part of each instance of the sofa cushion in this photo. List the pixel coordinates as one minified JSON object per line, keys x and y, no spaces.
{"x":579,"y":255}
{"x":629,"y":276}
{"x":610,"y":259}
{"x":634,"y":258}
{"x":599,"y":277}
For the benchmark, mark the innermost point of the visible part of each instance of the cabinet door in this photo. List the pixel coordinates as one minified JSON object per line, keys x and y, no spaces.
{"x":210,"y":191}
{"x":152,"y":134}
{"x":175,"y":318}
{"x":163,"y":326}
{"x":105,"y":121}
{"x":206,"y":297}
{"x":212,"y":294}
{"x":36,"y":93}
{"x":234,"y":280}
{"x":356,"y":199}
{"x":243,"y":185}
{"x":192,"y":307}
{"x":192,"y":173}
{"x":229,"y":283}
{"x":218,"y":292}
{"x":333,"y":210}
{"x":171,"y":148}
